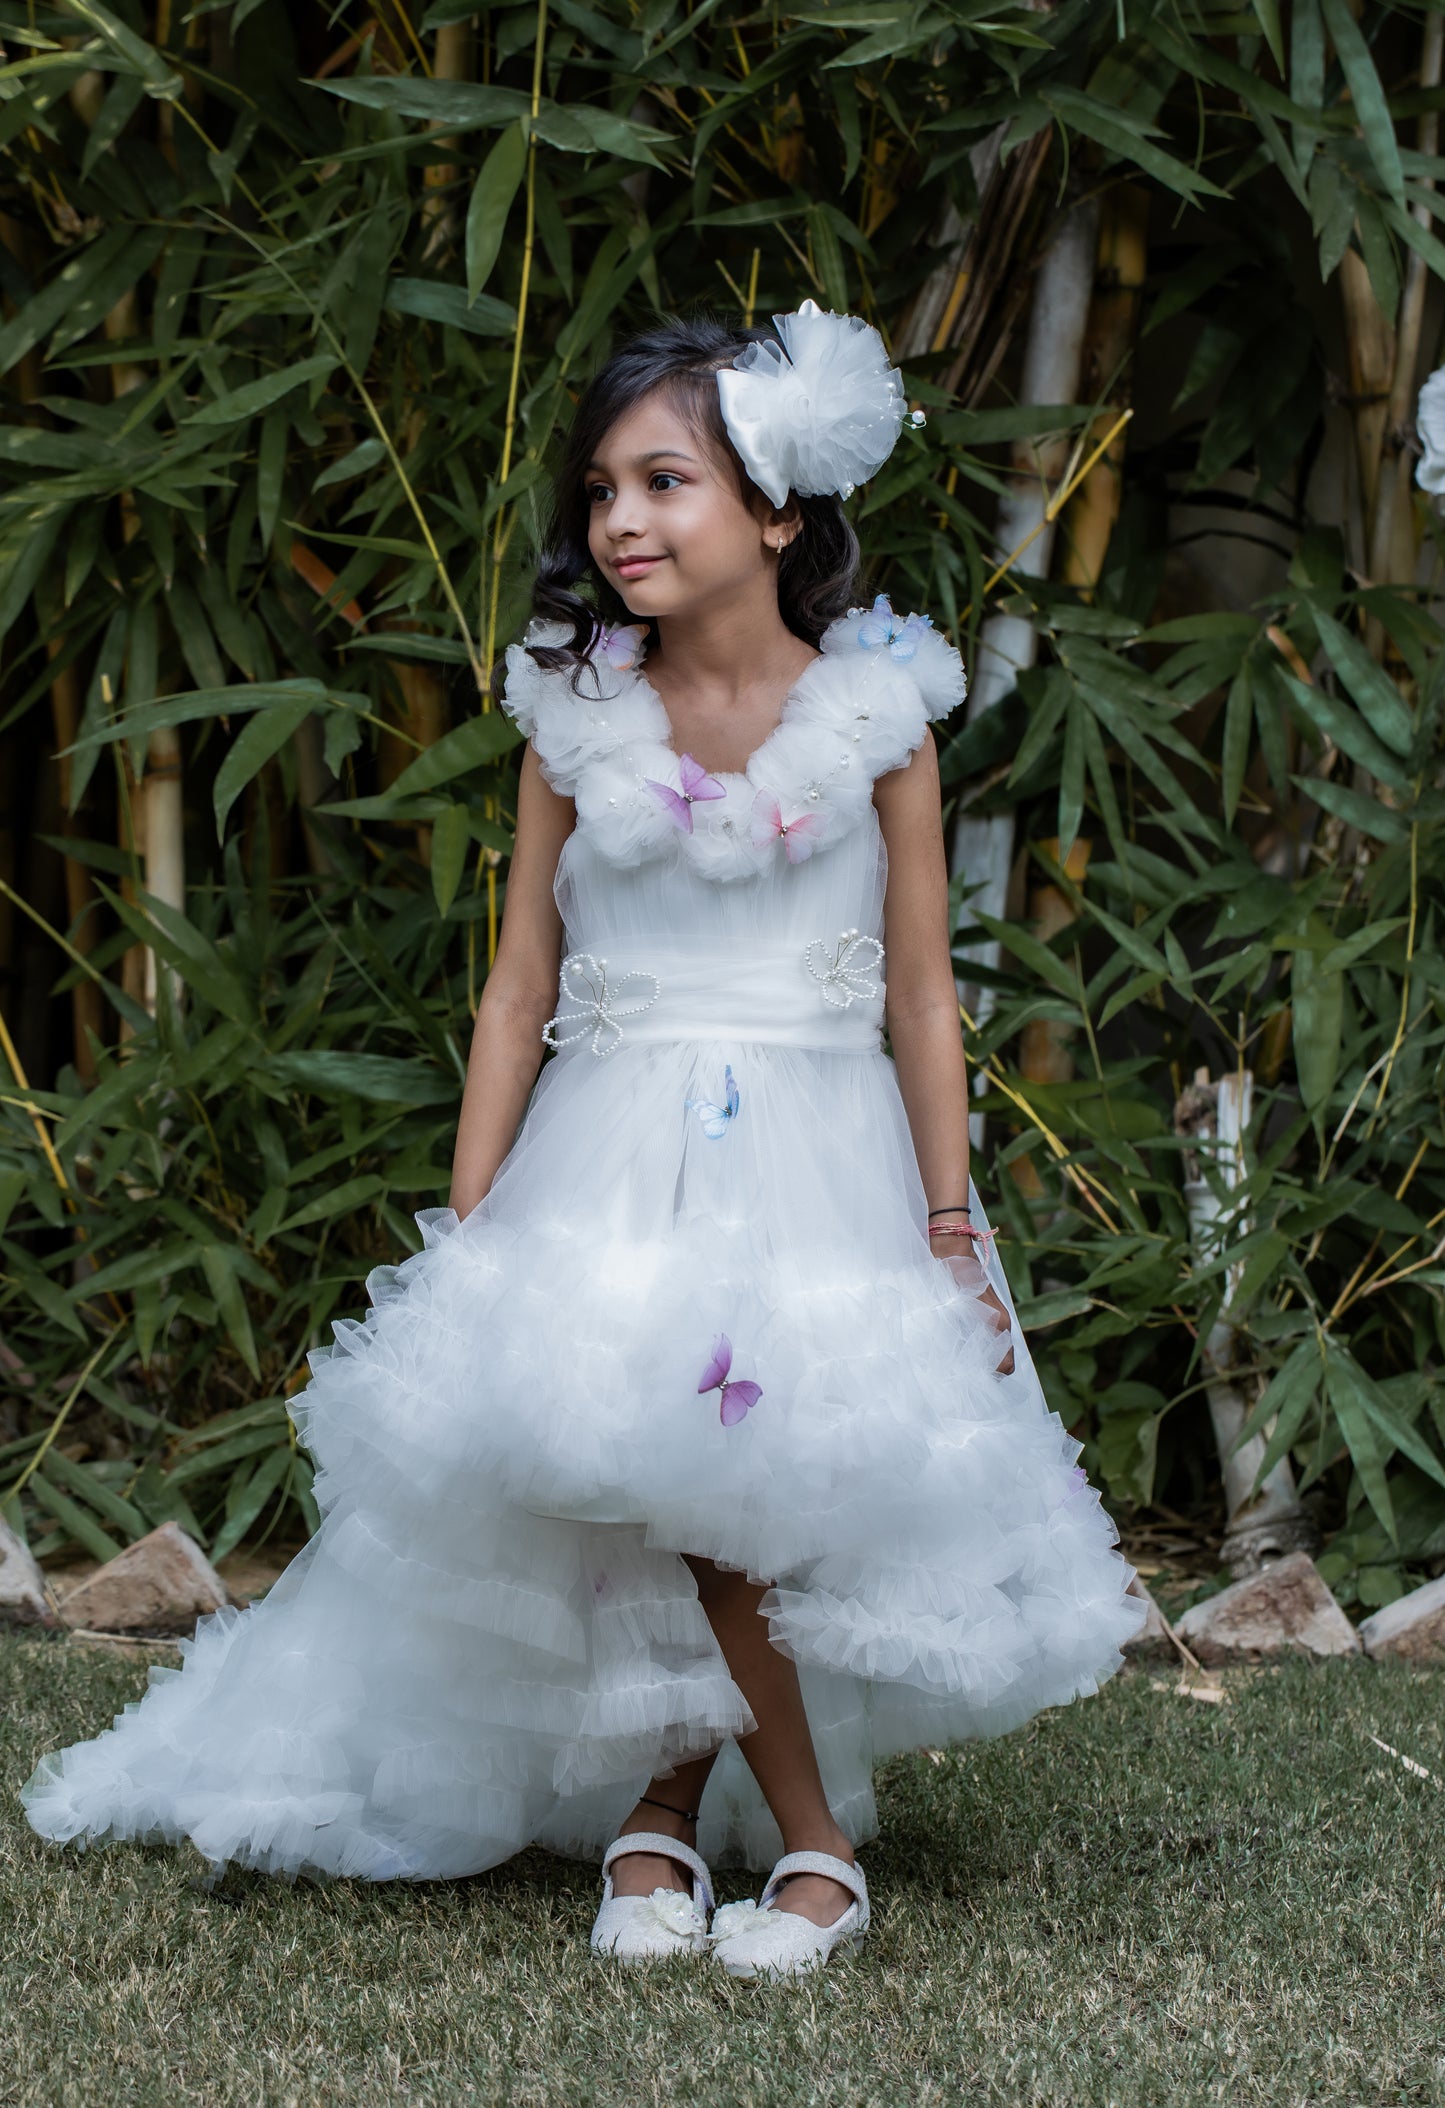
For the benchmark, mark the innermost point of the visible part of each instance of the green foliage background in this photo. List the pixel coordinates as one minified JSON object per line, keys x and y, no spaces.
{"x":290,"y":326}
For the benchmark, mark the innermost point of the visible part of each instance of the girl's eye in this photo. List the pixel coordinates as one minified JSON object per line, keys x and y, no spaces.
{"x":666,"y":475}
{"x":596,"y":492}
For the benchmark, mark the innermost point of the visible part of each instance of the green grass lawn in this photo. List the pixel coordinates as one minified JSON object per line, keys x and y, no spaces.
{"x":1138,"y":1899}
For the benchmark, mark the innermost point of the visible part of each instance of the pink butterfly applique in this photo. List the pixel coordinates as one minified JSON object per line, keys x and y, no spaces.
{"x":621,"y":647}
{"x":696,"y":783}
{"x":799,"y":837}
{"x":739,"y":1396}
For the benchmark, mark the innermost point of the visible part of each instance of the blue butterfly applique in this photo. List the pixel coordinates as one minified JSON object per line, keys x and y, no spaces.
{"x":715,"y":1118}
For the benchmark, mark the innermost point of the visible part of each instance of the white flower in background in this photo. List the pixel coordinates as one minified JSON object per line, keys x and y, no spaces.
{"x":1430,"y":424}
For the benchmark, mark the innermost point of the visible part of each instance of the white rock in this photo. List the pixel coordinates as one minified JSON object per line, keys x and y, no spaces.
{"x":22,"y":1585}
{"x":1285,"y":1606}
{"x":1153,"y":1635}
{"x":162,"y":1583}
{"x":1412,"y":1627}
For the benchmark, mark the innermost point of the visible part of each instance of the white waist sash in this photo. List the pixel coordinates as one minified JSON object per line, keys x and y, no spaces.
{"x":826,"y":993}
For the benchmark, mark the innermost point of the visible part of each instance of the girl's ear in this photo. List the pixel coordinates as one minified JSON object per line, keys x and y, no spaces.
{"x":785,"y":524}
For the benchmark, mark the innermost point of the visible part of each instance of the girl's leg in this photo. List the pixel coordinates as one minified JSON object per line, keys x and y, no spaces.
{"x":780,"y":1751}
{"x":639,"y":1873}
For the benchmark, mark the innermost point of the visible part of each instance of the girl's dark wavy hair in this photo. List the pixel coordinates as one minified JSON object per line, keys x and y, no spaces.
{"x":817,"y":571}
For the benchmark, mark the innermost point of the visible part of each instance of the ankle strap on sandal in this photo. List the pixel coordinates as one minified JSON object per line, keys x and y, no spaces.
{"x":845,"y":1872}
{"x":665,"y":1848}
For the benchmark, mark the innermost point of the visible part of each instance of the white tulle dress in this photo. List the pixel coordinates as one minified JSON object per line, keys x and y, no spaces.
{"x":493,"y":1639}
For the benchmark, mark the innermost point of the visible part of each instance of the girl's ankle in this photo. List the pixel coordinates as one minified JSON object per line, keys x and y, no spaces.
{"x":664,"y":1818}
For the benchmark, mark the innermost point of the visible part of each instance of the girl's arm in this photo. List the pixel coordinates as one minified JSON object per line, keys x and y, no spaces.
{"x":922,"y":1002}
{"x":520,"y":992}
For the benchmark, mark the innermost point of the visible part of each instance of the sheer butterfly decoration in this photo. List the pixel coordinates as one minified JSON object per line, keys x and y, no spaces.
{"x":738,"y":1394}
{"x":697,"y":785}
{"x":902,"y":635}
{"x":621,"y":647}
{"x":799,"y":837}
{"x":715,"y":1118}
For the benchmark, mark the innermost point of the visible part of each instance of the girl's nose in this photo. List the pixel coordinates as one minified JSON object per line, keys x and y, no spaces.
{"x":624,"y":516}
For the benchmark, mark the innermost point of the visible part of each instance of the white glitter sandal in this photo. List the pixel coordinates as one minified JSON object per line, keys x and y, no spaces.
{"x":751,"y":1939}
{"x":651,"y":1928}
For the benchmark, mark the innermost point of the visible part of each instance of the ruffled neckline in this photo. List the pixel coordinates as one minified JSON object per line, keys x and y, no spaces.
{"x":855,"y":712}
{"x":668,"y":738}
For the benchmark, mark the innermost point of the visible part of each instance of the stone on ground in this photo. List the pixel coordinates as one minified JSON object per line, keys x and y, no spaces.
{"x":1153,"y":1635}
{"x":22,"y":1585}
{"x":162,"y":1583}
{"x":1411,"y":1628}
{"x":1285,"y":1606}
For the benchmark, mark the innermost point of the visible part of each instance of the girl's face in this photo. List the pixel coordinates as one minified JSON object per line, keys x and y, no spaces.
{"x":667,"y":526}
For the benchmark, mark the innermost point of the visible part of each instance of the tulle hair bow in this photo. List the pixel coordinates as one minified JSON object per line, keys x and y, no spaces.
{"x":818,"y":412}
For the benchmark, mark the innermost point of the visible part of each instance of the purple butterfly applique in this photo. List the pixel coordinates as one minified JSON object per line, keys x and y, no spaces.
{"x":715,"y":1118}
{"x":621,"y":647}
{"x":739,"y":1396}
{"x":696,"y":784}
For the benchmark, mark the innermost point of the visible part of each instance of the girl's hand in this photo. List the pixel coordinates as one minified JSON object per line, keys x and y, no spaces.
{"x":971,"y":1277}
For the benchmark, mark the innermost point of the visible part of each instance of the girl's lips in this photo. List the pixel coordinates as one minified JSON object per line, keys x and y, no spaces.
{"x":634,"y":566}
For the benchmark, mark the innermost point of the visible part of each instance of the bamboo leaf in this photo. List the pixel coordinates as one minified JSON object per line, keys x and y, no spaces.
{"x":1370,"y":687}
{"x":1125,"y":137}
{"x":242,"y":1511}
{"x":1368,"y":95}
{"x":1318,"y":1006}
{"x":83,"y":1528}
{"x":218,"y":1262}
{"x":1362,"y":1435}
{"x":482,"y":739}
{"x":161,"y":80}
{"x":255,"y":745}
{"x":432,"y":301}
{"x":1238,"y":724}
{"x":382,"y":1079}
{"x":491,"y":201}
{"x":458,"y":105}
{"x":1381,"y":822}
{"x":1348,"y":732}
{"x":352,"y":1194}
{"x":450,"y":839}
{"x":237,"y":404}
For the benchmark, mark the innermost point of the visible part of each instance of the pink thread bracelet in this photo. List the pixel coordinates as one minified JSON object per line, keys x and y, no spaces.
{"x":961,"y":1229}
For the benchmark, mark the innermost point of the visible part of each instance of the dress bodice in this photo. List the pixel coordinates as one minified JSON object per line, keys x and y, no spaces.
{"x":755,"y":897}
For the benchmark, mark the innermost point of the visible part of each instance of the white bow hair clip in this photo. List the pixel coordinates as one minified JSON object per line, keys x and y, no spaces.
{"x":820,"y":412}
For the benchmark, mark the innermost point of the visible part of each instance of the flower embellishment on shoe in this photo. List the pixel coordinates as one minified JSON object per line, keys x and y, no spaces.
{"x":843,"y":974}
{"x":677,"y":1912}
{"x":716,"y":1118}
{"x":799,"y":837}
{"x":902,"y":634}
{"x":697,"y":787}
{"x":738,"y":1394}
{"x":596,"y":1008}
{"x":730,"y":1918}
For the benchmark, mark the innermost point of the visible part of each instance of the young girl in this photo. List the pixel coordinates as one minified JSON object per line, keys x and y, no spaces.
{"x":693,"y":1464}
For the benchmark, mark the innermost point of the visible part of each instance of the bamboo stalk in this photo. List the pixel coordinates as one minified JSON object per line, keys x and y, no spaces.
{"x":455,"y":61}
{"x":1088,"y":525}
{"x":983,"y":845}
{"x":1214,"y":1118}
{"x":1046,"y":1043}
{"x":1392,"y":537}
